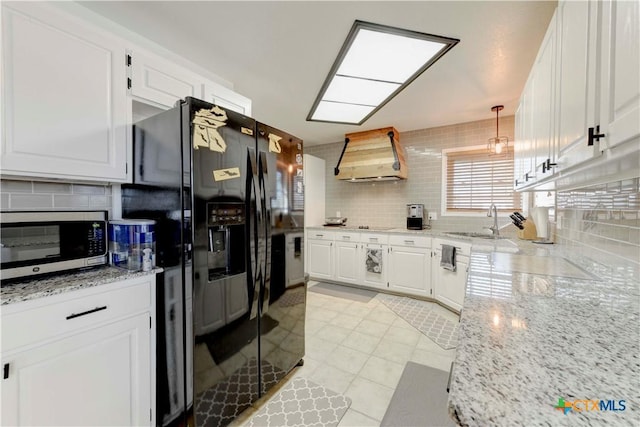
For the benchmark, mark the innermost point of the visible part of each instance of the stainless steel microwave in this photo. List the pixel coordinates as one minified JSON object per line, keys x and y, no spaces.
{"x":34,"y":243}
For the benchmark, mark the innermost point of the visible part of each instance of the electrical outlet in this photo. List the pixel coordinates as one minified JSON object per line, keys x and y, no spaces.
{"x":432,"y":216}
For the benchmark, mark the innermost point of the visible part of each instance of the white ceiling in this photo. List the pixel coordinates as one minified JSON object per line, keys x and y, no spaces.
{"x":279,"y":53}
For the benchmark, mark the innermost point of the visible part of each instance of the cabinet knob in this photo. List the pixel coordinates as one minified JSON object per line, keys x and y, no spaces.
{"x":5,"y":371}
{"x":594,"y":135}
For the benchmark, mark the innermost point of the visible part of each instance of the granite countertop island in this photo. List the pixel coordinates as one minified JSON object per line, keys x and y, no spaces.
{"x":38,"y":287}
{"x":544,"y":328}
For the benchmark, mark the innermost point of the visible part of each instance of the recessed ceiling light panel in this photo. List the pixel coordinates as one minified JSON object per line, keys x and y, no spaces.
{"x":375,"y":63}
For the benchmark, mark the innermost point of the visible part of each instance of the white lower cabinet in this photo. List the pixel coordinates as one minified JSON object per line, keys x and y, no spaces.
{"x":320,"y":255}
{"x":347,"y":262}
{"x":409,"y":270}
{"x":449,"y":286}
{"x":93,"y":369}
{"x":410,"y":264}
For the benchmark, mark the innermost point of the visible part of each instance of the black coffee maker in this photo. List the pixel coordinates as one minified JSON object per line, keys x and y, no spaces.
{"x":415,"y":217}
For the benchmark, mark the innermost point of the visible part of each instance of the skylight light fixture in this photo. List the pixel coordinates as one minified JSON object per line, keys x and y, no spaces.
{"x":375,"y":63}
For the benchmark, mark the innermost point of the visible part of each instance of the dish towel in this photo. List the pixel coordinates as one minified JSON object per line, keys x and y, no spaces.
{"x":448,"y":259}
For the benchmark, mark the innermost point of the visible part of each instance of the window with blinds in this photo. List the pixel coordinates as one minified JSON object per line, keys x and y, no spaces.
{"x":474,"y":180}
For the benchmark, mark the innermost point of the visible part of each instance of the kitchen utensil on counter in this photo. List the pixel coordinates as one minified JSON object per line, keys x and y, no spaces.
{"x":516,"y":221}
{"x":335,"y":221}
{"x":540,"y":216}
{"x":528,"y":230}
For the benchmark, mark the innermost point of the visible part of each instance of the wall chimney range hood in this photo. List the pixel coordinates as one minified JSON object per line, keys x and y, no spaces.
{"x":374,"y":155}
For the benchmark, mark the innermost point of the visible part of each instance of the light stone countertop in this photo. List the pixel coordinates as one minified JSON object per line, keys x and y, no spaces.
{"x":33,"y":288}
{"x":546,"y":324}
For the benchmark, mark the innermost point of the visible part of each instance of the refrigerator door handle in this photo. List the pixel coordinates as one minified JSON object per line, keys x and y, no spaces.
{"x":253,"y":227}
{"x":265,"y":204}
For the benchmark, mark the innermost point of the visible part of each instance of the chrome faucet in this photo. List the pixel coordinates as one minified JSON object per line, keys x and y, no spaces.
{"x":494,"y":228}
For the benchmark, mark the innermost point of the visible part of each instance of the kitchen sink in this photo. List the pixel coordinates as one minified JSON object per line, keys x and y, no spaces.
{"x":474,"y":234}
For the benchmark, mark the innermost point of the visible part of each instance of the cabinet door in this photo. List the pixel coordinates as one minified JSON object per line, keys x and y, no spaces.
{"x":620,"y":84}
{"x":160,"y":81}
{"x":576,"y":80}
{"x":97,"y":377}
{"x":63,"y":96}
{"x":226,"y":98}
{"x":409,"y":270}
{"x":544,"y":104}
{"x":347,"y":262}
{"x":320,"y":259}
{"x":449,"y":286}
{"x":374,"y":265}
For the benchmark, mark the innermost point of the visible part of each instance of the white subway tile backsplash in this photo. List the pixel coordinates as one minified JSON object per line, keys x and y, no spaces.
{"x":40,"y":195}
{"x":51,"y":187}
{"x":19,"y":201}
{"x":602,"y":219}
{"x":15,"y":186}
{"x":61,"y":201}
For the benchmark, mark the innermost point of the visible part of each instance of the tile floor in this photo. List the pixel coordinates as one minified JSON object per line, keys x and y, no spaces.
{"x":360,"y":349}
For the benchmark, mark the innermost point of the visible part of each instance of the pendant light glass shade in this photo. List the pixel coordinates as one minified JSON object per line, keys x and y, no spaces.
{"x":499,"y":145}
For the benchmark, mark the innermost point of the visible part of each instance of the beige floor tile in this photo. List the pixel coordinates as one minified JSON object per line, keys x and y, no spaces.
{"x":379,"y":315}
{"x":324,"y":314}
{"x":369,"y":398}
{"x":312,"y":326}
{"x":361,"y":342}
{"x":347,"y":359}
{"x":405,"y":336}
{"x":353,"y":418}
{"x":393,"y":351}
{"x":332,"y":378}
{"x":401,"y":323}
{"x":333,"y":333}
{"x":318,"y":348}
{"x":360,"y":310}
{"x":346,"y":321}
{"x":370,"y":327}
{"x":382,"y":371}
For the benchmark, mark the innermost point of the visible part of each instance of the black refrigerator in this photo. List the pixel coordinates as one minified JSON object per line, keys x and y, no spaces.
{"x":227,"y":195}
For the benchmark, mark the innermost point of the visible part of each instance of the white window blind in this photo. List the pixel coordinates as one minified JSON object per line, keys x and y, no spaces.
{"x":475,"y":180}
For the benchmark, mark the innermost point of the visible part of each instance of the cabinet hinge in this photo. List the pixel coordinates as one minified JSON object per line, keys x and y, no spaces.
{"x":5,"y":371}
{"x":128,"y":83}
{"x":128,"y":60}
{"x":150,"y":414}
{"x":149,"y":322}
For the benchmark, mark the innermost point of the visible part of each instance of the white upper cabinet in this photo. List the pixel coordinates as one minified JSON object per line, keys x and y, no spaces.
{"x":63,"y":97}
{"x":160,"y":81}
{"x":586,"y":96}
{"x":226,"y":98}
{"x":544,"y":105}
{"x":577,"y":65}
{"x":620,"y":73}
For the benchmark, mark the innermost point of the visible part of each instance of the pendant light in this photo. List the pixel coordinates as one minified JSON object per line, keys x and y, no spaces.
{"x":499,"y":145}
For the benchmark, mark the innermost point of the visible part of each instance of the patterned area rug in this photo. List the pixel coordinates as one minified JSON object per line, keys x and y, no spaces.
{"x":293,"y":297}
{"x":420,"y":315}
{"x":302,"y":403}
{"x":222,"y":403}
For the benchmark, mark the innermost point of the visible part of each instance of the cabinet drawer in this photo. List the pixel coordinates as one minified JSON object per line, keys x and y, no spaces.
{"x":410,"y":240}
{"x":41,"y":323}
{"x":347,"y":236}
{"x":319,"y":235}
{"x":380,"y":238}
